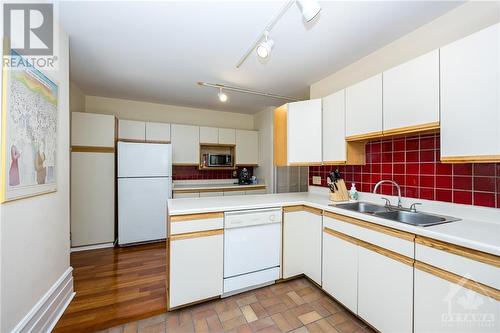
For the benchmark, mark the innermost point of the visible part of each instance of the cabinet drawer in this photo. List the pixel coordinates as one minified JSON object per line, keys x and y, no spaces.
{"x":447,"y":257}
{"x":196,"y":222}
{"x":387,"y":238}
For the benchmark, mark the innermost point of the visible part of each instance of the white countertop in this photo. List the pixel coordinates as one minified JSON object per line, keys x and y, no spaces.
{"x":479,"y":235}
{"x":201,"y":187}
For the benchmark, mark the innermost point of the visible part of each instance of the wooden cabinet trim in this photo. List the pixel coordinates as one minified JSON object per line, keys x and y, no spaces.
{"x":364,"y":137}
{"x":386,"y":230}
{"x":411,"y":129}
{"x":470,"y":159}
{"x":196,"y":234}
{"x":460,"y":280}
{"x":475,"y":255}
{"x":92,"y":149}
{"x":304,"y":163}
{"x":302,"y":208}
{"x":190,"y":217}
{"x":185,"y":164}
{"x":375,"y":248}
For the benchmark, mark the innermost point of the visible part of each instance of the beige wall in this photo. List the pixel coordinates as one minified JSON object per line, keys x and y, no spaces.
{"x":458,"y":23}
{"x":136,"y":110}
{"x":76,"y":98}
{"x":35,"y":231}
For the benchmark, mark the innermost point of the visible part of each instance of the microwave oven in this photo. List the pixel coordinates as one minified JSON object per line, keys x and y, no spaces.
{"x":219,"y":160}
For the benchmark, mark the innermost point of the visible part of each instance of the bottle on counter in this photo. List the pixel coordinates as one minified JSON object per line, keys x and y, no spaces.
{"x":353,"y":192}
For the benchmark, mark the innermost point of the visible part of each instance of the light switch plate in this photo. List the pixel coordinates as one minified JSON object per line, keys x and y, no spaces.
{"x":316,"y":180}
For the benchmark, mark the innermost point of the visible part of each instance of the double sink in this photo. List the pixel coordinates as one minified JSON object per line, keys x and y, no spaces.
{"x":397,"y":214}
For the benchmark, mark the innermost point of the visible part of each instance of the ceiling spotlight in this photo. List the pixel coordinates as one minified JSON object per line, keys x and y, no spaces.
{"x":222,"y":96}
{"x":265,"y":47}
{"x":309,"y":8}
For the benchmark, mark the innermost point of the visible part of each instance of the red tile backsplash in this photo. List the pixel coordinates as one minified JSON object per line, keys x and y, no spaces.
{"x":193,"y":173}
{"x":414,"y":163}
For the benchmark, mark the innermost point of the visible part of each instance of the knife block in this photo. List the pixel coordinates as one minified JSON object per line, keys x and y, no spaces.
{"x":341,"y":194}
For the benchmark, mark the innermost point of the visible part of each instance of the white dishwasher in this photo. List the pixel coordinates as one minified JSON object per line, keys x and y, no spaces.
{"x":252,"y":249}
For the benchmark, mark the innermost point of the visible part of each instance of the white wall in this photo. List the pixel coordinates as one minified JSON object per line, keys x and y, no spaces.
{"x":35,"y":231}
{"x":76,"y":98}
{"x":264,"y":124}
{"x":456,"y":24}
{"x":136,"y":110}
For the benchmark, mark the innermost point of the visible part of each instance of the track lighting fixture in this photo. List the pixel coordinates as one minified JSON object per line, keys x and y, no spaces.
{"x":263,"y":44}
{"x":222,"y":96}
{"x":264,"y":48}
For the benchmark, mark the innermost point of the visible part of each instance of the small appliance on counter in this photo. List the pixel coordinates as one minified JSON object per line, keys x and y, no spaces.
{"x":244,"y":178}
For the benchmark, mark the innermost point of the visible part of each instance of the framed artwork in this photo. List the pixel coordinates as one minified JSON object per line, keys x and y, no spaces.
{"x":29,"y":132}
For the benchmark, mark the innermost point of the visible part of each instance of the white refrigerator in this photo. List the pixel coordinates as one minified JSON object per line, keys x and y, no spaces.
{"x":144,"y":185}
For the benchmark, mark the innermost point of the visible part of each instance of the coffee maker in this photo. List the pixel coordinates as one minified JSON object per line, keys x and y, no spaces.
{"x":244,"y":177}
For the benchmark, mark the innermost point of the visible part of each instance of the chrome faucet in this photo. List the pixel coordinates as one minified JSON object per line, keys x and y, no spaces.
{"x":393,"y":183}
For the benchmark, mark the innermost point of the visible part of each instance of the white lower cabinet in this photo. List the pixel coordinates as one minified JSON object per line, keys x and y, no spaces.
{"x":302,"y":243}
{"x":443,"y":306}
{"x":340,"y":270}
{"x":385,"y":292}
{"x":196,"y":268}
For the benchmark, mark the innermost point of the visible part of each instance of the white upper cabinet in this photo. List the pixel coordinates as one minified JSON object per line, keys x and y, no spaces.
{"x":364,"y":108}
{"x":304,"y":138}
{"x":227,"y":136}
{"x":334,"y":145}
{"x":209,"y":135}
{"x":131,"y":130}
{"x":185,"y":144}
{"x":411,"y":94}
{"x":470,"y":102}
{"x":91,"y":129}
{"x":247,"y":147}
{"x":157,"y":132}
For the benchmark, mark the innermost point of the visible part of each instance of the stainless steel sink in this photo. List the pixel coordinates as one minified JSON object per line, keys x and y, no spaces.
{"x":392,"y":213}
{"x":363,"y":207}
{"x":415,"y":218}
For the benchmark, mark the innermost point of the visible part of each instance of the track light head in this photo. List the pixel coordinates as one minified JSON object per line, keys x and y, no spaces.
{"x":264,"y":48}
{"x":222,"y":96}
{"x":309,"y":9}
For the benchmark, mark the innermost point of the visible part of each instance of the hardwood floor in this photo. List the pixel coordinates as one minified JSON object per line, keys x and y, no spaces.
{"x":115,"y":286}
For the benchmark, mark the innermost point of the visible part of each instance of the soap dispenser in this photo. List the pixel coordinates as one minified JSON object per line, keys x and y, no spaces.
{"x":353,"y":192}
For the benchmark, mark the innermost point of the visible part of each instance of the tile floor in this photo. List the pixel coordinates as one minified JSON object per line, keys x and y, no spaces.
{"x":296,"y":306}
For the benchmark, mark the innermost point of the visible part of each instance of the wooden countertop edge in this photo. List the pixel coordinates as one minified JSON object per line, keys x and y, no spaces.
{"x":233,"y":188}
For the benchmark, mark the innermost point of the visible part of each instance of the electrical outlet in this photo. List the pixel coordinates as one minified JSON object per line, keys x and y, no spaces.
{"x":316,"y":180}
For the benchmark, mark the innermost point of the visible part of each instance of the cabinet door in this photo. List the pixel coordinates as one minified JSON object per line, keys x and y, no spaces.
{"x":185,"y":144}
{"x":364,"y":108}
{"x":443,"y":306}
{"x":158,"y":132}
{"x":227,"y":136}
{"x":304,"y":139}
{"x":334,"y":145}
{"x":247,"y":147}
{"x":196,"y":271}
{"x":132,"y":130}
{"x":92,"y":198}
{"x":209,"y":135}
{"x":91,"y":129}
{"x":411,"y":94}
{"x":340,"y":270}
{"x":470,"y":103}
{"x":302,"y":245}
{"x":385,"y":292}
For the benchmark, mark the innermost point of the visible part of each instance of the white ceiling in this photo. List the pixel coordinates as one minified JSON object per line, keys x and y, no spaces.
{"x":157,"y":51}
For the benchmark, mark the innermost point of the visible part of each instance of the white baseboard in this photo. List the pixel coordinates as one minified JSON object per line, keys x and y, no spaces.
{"x":92,"y":247}
{"x":48,"y":310}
